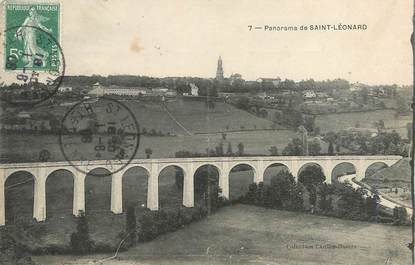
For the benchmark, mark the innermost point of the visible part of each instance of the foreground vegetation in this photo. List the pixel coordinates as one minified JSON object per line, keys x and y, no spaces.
{"x":244,"y":234}
{"x":337,"y":200}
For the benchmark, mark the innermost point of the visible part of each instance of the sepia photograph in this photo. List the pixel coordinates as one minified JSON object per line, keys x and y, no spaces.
{"x":138,"y":132}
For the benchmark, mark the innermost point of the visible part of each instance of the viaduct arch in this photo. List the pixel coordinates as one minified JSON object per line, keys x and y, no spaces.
{"x":41,"y":171}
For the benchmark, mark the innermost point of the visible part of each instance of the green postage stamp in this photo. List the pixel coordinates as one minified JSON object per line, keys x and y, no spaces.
{"x":31,"y":39}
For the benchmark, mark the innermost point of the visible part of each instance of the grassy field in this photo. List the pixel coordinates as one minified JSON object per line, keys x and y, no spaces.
{"x":250,"y":235}
{"x":194,"y":115}
{"x":255,"y":132}
{"x":203,"y":123}
{"x":337,"y":122}
{"x":255,"y":143}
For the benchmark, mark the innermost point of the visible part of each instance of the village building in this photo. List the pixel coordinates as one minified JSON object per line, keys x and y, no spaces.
{"x":309,"y":94}
{"x":269,"y":82}
{"x":98,"y":90}
{"x":64,"y":89}
{"x":194,"y":90}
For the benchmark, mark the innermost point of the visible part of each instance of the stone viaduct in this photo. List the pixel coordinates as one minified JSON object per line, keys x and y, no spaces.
{"x":224,"y":165}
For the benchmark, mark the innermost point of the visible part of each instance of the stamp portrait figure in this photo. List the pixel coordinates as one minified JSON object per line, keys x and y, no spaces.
{"x":27,"y":34}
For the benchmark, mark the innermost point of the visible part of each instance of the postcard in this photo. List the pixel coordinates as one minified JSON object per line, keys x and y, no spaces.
{"x":206,"y":132}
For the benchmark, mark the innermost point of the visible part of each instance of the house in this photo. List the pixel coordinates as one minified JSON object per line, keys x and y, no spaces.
{"x":235,"y":78}
{"x":322,"y":95}
{"x":64,"y":89}
{"x":99,"y":91}
{"x":357,"y":87}
{"x":370,"y":132}
{"x":159,"y":91}
{"x":24,"y":114}
{"x":269,"y":82}
{"x":309,"y":94}
{"x":194,"y":89}
{"x":171,"y":93}
{"x":125,"y":91}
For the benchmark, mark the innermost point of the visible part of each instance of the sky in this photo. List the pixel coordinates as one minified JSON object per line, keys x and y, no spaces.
{"x":185,"y":38}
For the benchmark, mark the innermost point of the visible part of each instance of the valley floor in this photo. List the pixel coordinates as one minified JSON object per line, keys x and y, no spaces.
{"x":251,"y":235}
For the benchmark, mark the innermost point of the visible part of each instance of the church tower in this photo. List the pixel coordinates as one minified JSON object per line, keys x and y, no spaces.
{"x":219,"y":70}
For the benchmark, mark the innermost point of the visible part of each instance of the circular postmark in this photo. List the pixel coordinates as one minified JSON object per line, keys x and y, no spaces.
{"x":99,"y":129}
{"x":33,"y":64}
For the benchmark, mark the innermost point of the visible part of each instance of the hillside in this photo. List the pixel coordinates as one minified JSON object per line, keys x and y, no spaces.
{"x":195,"y":116}
{"x":181,"y":116}
{"x":398,"y":175}
{"x":197,"y":127}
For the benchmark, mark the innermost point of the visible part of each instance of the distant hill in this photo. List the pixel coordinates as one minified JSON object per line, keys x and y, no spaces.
{"x":182,"y":116}
{"x":185,"y":116}
{"x":398,"y":175}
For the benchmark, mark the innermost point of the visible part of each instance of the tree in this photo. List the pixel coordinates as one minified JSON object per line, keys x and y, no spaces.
{"x":295,"y":148}
{"x":242,"y":103}
{"x":372,"y":205}
{"x":364,"y":94}
{"x":330,"y":149}
{"x":362,"y":145}
{"x":392,"y":149}
{"x":183,"y":88}
{"x":241,"y":149}
{"x":259,"y":194}
{"x":148,"y":152}
{"x":273,"y":150}
{"x":351,"y":204}
{"x":219,"y":149}
{"x":400,"y":215}
{"x":409,"y":130}
{"x":283,"y":193}
{"x":44,"y":155}
{"x":80,"y":240}
{"x":292,"y":117}
{"x":131,"y":224}
{"x":331,"y":137}
{"x":296,"y":198}
{"x":310,"y":177}
{"x":223,"y":136}
{"x":401,"y":105}
{"x":381,"y":124}
{"x":250,"y":196}
{"x":314,"y":147}
{"x":281,"y":185}
{"x":54,"y":124}
{"x":229,"y":151}
{"x":338,"y":148}
{"x":309,"y":123}
{"x":324,"y":192}
{"x":263,"y":113}
{"x":287,"y":84}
